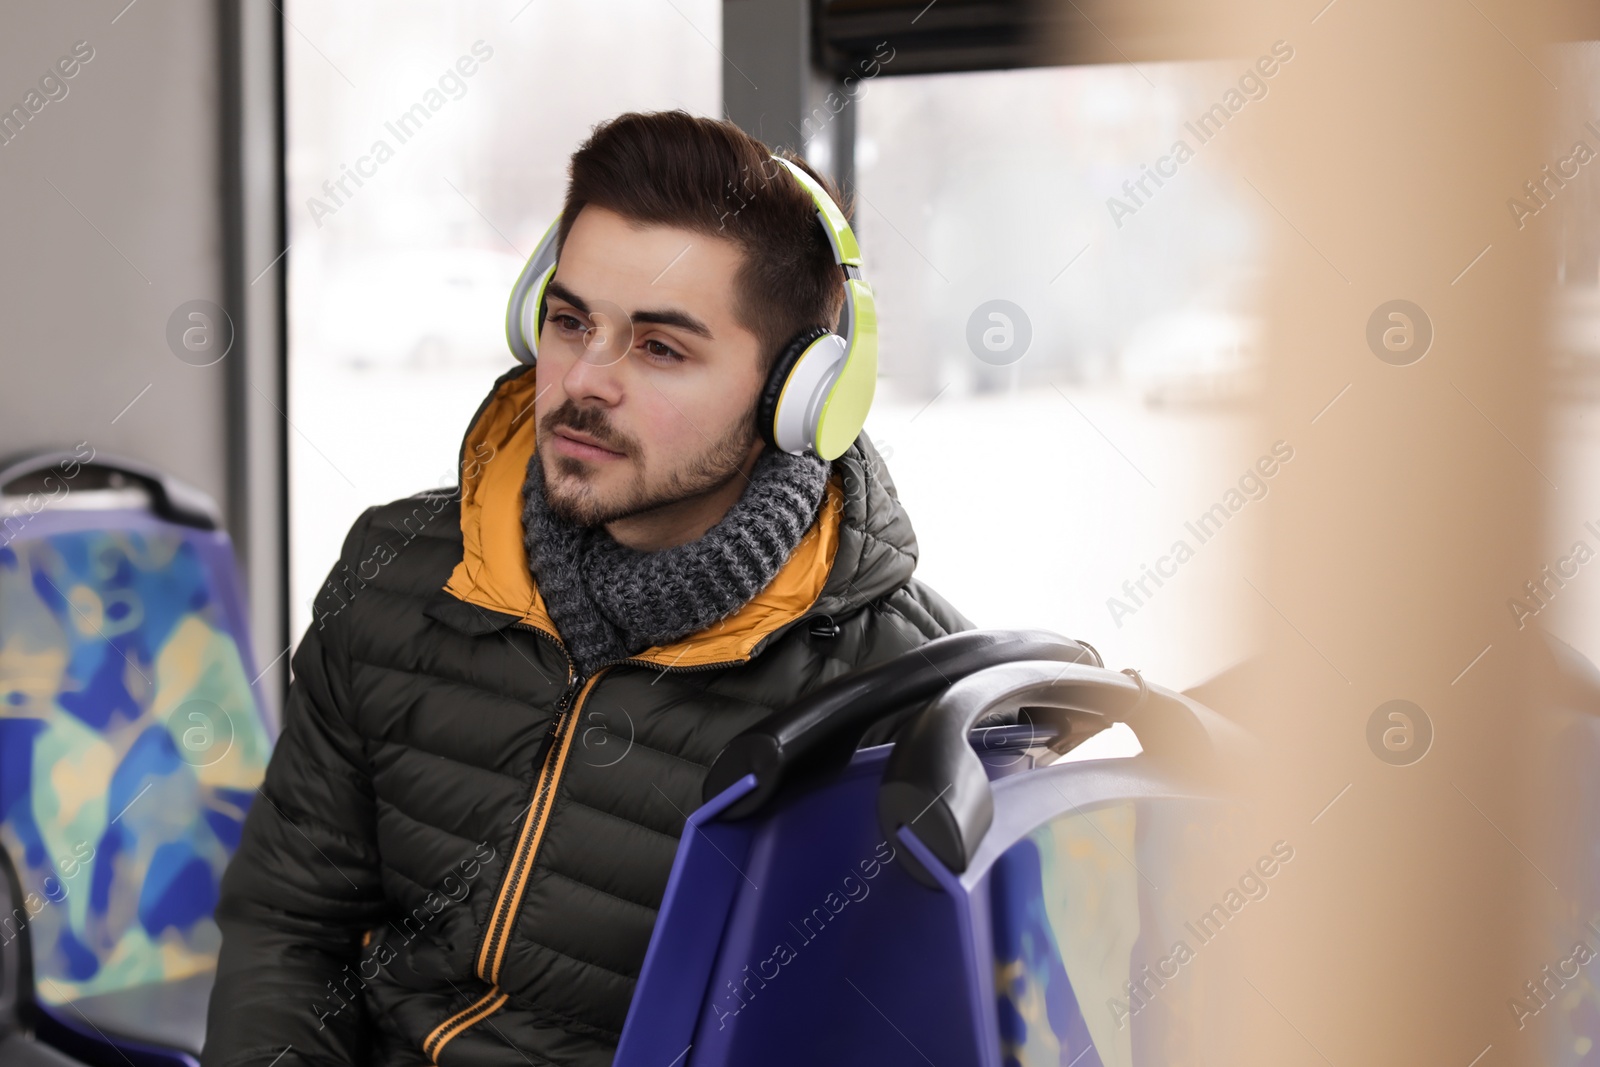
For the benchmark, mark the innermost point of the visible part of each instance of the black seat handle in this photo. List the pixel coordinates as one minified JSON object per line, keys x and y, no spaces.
{"x":170,"y":498}
{"x":820,"y":732}
{"x":935,"y":782}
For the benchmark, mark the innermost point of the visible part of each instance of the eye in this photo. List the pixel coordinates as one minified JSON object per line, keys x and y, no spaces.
{"x":662,"y":352}
{"x":565,"y":323}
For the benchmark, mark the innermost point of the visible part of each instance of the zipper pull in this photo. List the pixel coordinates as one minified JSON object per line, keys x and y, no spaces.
{"x":574,"y":687}
{"x":562,"y":706}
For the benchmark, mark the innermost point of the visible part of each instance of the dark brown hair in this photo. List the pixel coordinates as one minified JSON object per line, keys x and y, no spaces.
{"x":709,"y":176}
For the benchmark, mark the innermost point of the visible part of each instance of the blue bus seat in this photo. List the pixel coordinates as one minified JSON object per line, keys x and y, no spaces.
{"x":131,"y":743}
{"x":968,"y":893}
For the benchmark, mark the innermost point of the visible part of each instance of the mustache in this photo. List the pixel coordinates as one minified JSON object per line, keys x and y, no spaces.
{"x":589,"y":421}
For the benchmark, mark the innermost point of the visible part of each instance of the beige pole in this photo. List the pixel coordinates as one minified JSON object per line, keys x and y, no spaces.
{"x":1394,"y":697}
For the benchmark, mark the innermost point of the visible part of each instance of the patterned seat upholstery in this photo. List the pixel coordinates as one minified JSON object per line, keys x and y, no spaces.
{"x":131,"y":742}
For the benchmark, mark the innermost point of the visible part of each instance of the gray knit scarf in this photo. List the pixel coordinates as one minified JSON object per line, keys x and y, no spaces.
{"x":611,"y":602}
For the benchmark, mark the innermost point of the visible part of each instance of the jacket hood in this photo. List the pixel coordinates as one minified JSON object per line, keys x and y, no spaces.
{"x":860,"y":547}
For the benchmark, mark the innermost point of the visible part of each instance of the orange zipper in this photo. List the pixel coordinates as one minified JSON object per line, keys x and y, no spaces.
{"x":494,"y":941}
{"x":557,"y":745}
{"x":484,"y":1007}
{"x":502,"y":918}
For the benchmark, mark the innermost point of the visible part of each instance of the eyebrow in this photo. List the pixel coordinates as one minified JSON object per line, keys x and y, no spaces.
{"x":555,"y":288}
{"x":663,"y":317}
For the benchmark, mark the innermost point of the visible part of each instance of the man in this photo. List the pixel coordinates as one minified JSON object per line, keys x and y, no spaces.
{"x":506,"y":705}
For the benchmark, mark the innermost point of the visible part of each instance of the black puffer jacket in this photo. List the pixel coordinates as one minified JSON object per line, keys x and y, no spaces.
{"x":460,"y":846}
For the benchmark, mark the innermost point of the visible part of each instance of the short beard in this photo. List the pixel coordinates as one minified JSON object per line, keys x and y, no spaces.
{"x":706,"y":473}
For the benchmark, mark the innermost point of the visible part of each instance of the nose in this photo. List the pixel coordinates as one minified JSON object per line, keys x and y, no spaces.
{"x":589,"y":379}
{"x":609,"y":336}
{"x":601,"y":359}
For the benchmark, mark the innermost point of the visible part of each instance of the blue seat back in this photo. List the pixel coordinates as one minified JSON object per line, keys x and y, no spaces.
{"x":131,"y":737}
{"x":797,"y":937}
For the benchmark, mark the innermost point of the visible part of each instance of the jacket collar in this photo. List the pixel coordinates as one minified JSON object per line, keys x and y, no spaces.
{"x":860,"y":548}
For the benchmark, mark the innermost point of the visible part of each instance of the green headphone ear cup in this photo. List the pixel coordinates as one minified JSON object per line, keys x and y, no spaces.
{"x":778,"y":377}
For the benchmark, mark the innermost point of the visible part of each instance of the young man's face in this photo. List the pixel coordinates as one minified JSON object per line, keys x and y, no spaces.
{"x":647,"y":383}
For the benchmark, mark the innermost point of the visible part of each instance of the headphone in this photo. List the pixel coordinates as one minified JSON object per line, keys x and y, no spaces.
{"x":820,"y":387}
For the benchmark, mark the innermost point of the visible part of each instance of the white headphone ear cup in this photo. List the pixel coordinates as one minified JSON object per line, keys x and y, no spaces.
{"x":794,"y":423}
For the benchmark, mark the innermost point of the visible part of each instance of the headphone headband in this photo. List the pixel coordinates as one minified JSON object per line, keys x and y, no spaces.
{"x":846,"y":252}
